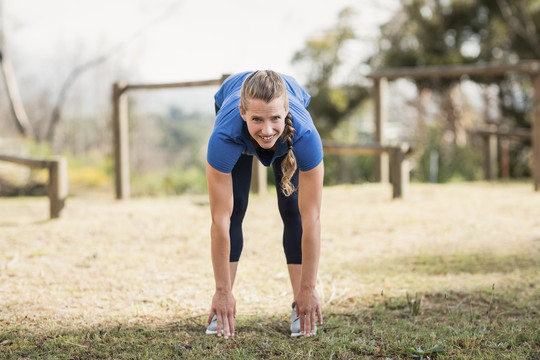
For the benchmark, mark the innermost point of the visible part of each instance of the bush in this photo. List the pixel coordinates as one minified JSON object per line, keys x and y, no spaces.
{"x":172,"y":181}
{"x":453,"y":162}
{"x":350,"y":169}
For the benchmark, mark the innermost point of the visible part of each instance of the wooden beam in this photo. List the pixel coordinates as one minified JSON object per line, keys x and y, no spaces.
{"x":177,"y":85}
{"x":420,"y":72}
{"x":359,"y":149}
{"x":26,"y":161}
{"x":521,"y":133}
{"x":380,"y":107}
{"x":121,"y":141}
{"x":536,"y":131}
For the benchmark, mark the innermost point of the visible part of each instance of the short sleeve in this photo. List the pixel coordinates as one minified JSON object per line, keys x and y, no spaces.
{"x":222,"y":154}
{"x":308,"y":151}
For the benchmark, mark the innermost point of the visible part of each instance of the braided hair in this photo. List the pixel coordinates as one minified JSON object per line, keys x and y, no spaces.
{"x":268,"y":85}
{"x":288,"y":165}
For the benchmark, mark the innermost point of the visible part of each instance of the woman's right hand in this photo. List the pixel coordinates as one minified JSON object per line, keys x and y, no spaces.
{"x":224,"y":307}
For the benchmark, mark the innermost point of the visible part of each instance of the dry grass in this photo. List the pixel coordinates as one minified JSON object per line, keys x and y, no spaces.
{"x":146,"y":261}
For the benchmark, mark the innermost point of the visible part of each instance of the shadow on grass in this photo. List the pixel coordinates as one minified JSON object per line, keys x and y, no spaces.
{"x":457,"y":263}
{"x":450,"y":325}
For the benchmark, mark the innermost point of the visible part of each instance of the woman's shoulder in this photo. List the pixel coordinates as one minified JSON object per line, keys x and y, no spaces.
{"x":235,"y":80}
{"x":295,"y":90}
{"x":230,"y":86}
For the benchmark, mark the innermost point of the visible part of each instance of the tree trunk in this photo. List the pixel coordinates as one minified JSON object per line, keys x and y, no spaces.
{"x":17,"y":108}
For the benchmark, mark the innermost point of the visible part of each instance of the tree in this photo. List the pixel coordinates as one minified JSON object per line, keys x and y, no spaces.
{"x":16,"y":105}
{"x":439,"y":32}
{"x":436,"y":32}
{"x":331,"y":101}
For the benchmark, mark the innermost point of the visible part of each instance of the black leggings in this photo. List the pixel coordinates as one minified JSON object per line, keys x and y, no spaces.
{"x":288,"y":209}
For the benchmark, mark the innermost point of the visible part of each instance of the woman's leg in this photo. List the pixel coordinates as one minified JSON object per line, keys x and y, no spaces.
{"x":241,"y":178}
{"x":292,"y":226}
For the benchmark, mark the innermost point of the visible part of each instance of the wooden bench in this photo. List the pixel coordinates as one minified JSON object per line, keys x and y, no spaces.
{"x":399,"y":166}
{"x":57,"y":187}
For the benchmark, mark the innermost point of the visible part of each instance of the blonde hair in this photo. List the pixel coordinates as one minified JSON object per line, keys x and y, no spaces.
{"x":267,"y":85}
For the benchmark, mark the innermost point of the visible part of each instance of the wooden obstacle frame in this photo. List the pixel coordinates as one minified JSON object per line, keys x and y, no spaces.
{"x":258,"y":180}
{"x":496,"y":142}
{"x":380,"y":98}
{"x":121,"y":129}
{"x":57,"y":186}
{"x":381,"y":150}
{"x":399,"y":164}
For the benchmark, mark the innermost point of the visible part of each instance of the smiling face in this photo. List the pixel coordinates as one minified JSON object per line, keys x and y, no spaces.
{"x":265,"y":120}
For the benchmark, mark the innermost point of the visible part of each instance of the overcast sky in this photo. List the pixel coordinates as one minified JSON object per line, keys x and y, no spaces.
{"x":176,"y":40}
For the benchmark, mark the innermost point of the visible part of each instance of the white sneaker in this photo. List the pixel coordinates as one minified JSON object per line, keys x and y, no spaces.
{"x":212,"y":328}
{"x":295,"y":323}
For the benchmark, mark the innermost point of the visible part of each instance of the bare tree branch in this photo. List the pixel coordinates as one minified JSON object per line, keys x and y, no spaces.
{"x":15,"y":102}
{"x":70,"y":80}
{"x":68,"y":83}
{"x":521,"y":23}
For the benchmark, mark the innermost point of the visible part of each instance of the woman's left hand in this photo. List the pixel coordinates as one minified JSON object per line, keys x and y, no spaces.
{"x":308,"y":307}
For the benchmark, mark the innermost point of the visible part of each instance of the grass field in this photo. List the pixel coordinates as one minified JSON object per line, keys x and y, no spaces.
{"x":451,"y":272}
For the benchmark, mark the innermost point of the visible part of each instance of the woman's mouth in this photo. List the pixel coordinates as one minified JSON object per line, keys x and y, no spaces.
{"x":267,"y":138}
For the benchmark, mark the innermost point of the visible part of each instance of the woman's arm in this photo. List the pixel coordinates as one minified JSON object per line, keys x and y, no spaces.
{"x":220,"y":192}
{"x":309,"y":201}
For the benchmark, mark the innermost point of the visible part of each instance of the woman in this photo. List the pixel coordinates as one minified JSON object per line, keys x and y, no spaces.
{"x":264,"y":114}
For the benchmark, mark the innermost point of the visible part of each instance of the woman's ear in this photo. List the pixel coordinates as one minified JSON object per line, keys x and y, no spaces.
{"x":242,"y":114}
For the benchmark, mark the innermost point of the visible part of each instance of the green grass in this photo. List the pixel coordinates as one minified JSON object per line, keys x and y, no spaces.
{"x":449,"y":326}
{"x":452,"y":272}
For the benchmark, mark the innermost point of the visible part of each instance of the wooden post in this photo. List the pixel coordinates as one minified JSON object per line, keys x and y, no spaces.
{"x":258,"y":177}
{"x":490,"y":157}
{"x":58,"y":185}
{"x":380,"y":93}
{"x":536,"y":131}
{"x":121,"y":141}
{"x":504,"y":146}
{"x":400,"y":171}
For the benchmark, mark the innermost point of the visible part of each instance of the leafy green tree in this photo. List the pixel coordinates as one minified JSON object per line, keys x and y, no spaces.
{"x":331,"y":101}
{"x":443,"y":32}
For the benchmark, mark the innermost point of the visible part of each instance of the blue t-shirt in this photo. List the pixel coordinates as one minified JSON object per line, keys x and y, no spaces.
{"x":230,"y":137}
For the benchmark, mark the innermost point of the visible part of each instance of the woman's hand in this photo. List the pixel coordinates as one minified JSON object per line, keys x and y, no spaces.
{"x":224,"y":307}
{"x":308,"y":307}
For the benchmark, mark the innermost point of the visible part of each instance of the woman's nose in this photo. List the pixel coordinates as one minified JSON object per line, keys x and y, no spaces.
{"x":267,"y":128}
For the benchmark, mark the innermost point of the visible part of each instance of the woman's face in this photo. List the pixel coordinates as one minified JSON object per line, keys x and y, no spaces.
{"x":265,"y":121}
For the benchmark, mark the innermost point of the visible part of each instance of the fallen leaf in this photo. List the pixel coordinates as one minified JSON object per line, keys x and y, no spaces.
{"x":467,"y":344}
